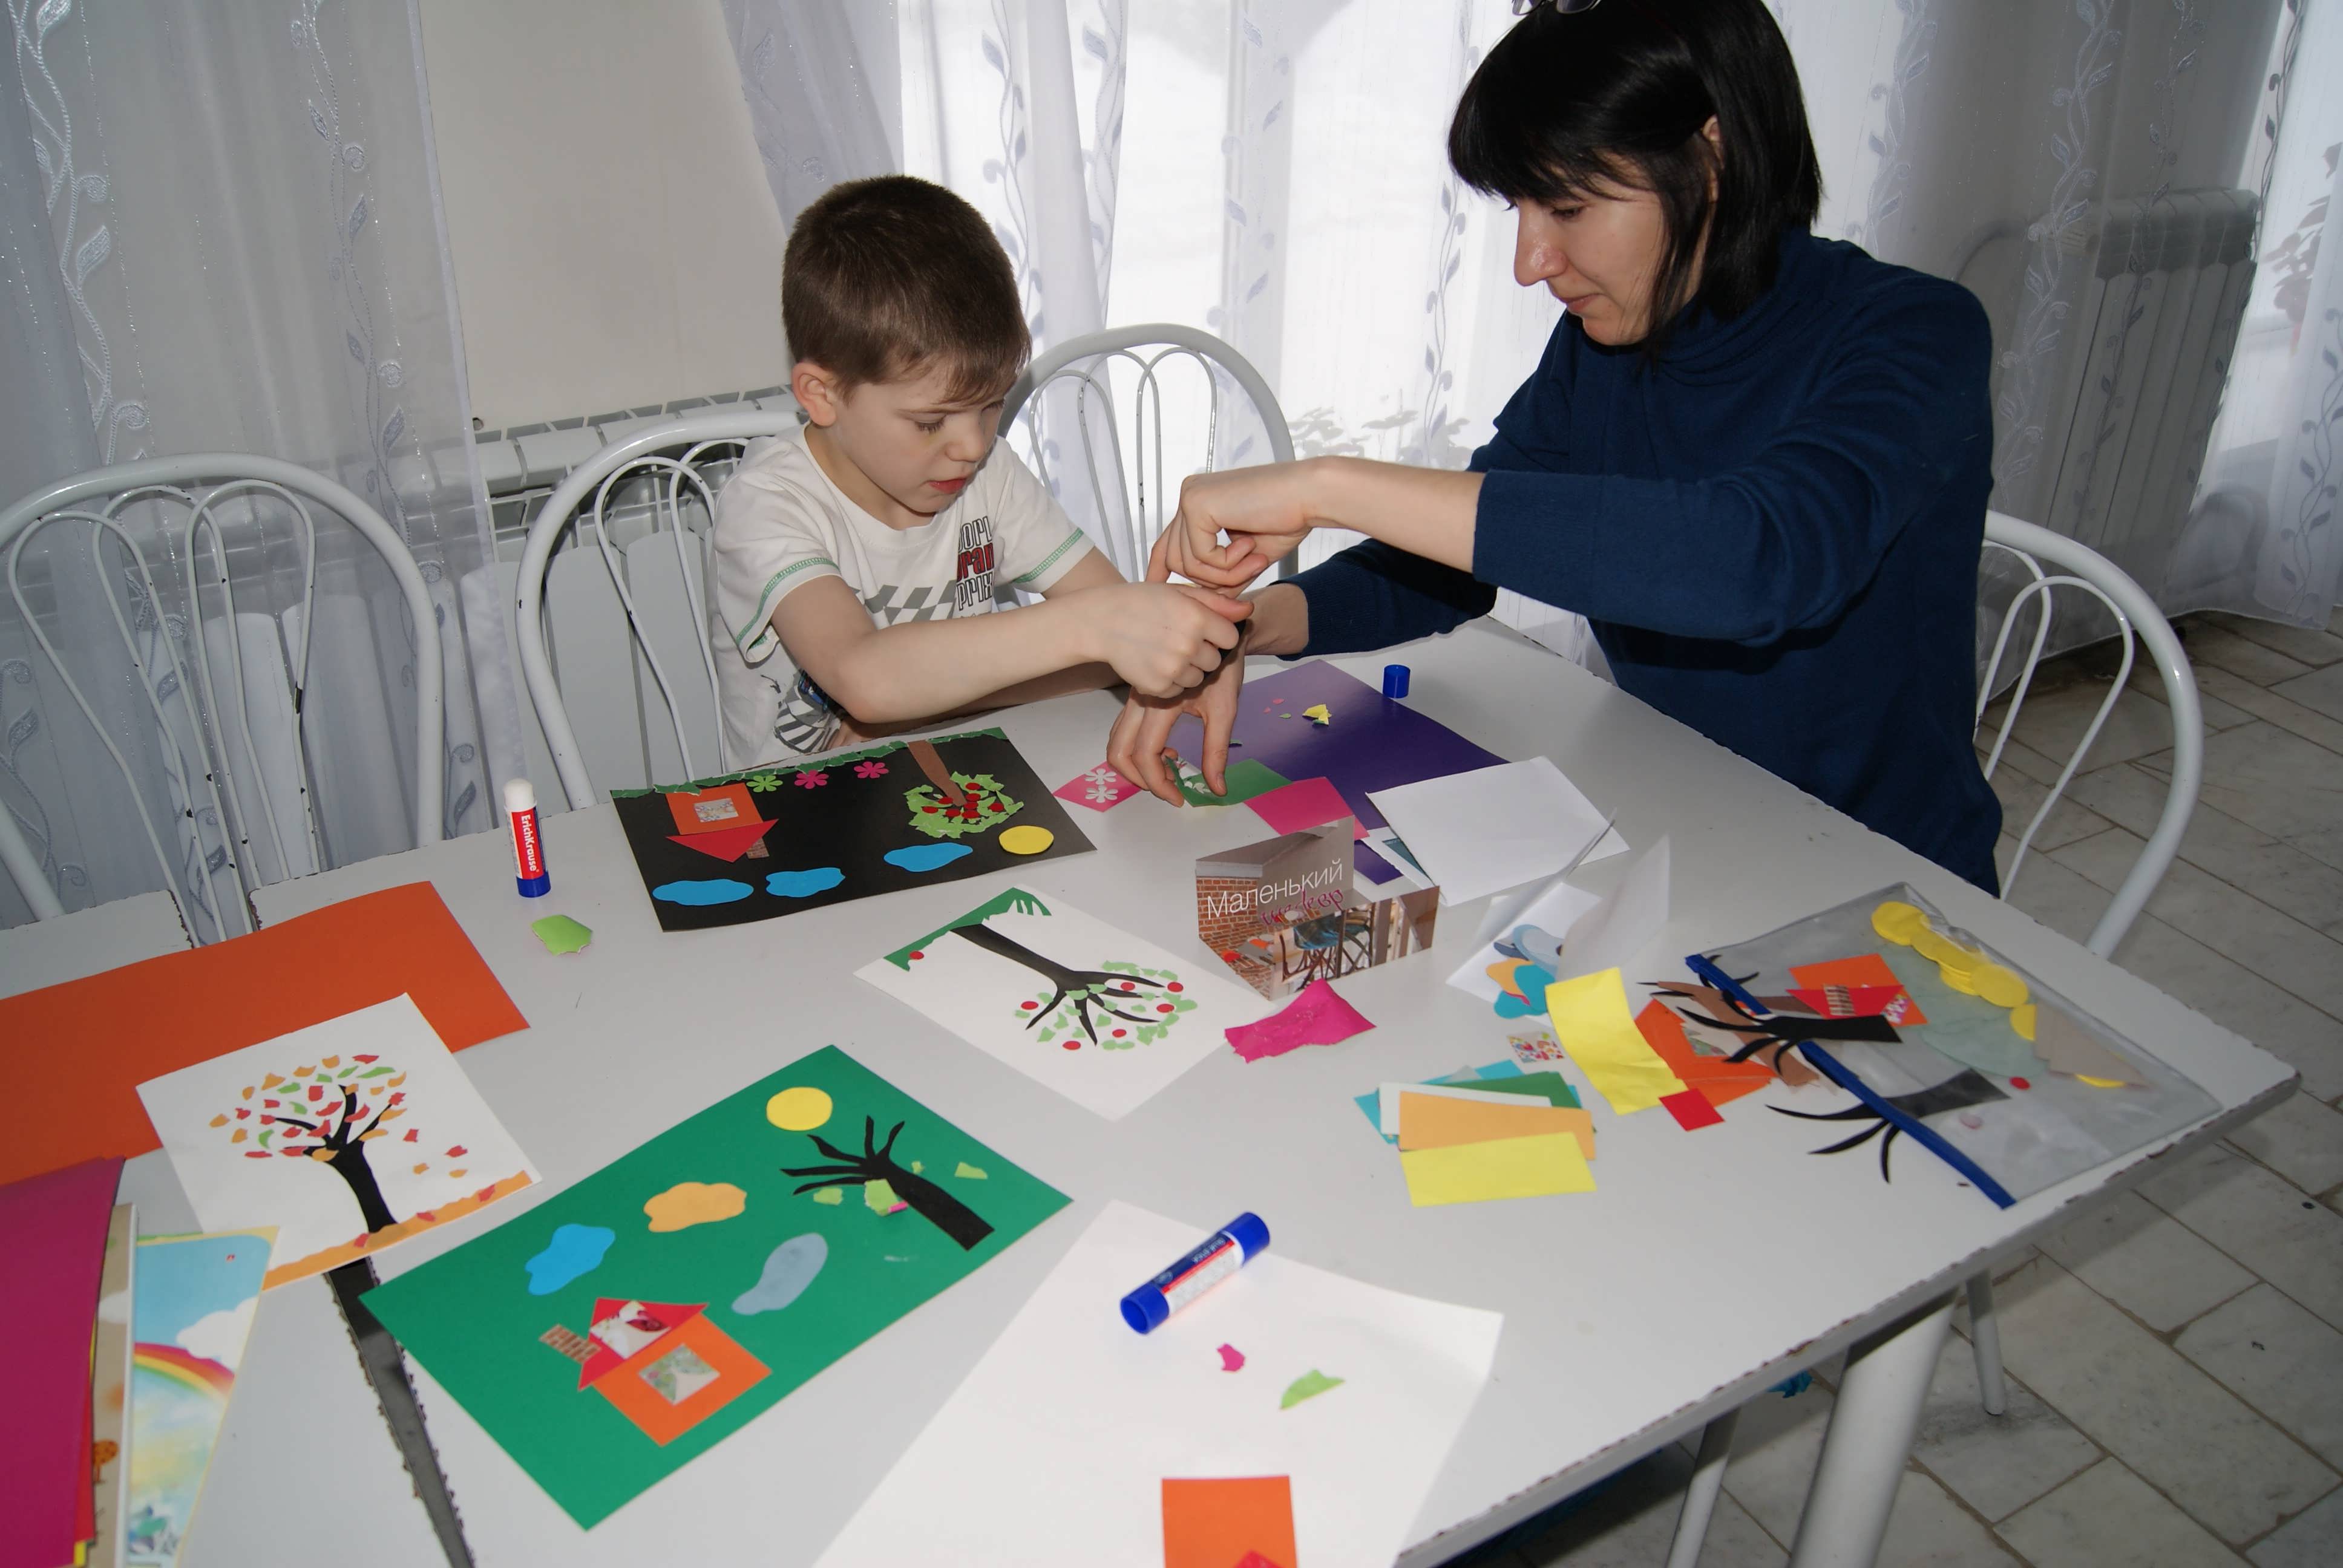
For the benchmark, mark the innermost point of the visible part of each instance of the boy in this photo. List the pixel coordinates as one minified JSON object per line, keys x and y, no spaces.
{"x":856,"y":559}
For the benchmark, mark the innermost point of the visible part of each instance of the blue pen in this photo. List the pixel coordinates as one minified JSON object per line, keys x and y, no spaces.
{"x":1837,"y":1072}
{"x":1212,"y":1259}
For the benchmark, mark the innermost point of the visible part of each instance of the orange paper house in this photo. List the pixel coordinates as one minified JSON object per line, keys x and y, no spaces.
{"x":665,"y":1365}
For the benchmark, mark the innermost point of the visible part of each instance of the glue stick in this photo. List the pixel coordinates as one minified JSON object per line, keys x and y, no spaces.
{"x":1214,"y":1259}
{"x":528,"y":847}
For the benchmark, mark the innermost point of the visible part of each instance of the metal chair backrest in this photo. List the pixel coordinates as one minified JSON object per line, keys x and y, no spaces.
{"x":1119,"y":396}
{"x":228,"y":732}
{"x":628,"y":622}
{"x":2085,"y":569}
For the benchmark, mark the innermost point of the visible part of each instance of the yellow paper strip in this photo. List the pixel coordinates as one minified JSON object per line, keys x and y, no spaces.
{"x":1591,"y":1019}
{"x":1510,"y":1167}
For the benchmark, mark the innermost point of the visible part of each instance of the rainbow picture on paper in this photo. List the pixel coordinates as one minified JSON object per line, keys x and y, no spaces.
{"x":193,"y":1299}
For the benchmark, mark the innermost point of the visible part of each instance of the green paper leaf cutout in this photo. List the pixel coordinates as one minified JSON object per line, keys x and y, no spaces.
{"x":828,"y":1195}
{"x":1309,"y":1386}
{"x":967,"y":1173}
{"x":878,"y":1196}
{"x":983,"y":806}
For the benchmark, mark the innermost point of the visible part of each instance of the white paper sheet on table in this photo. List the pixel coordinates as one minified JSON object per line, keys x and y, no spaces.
{"x":1615,"y":932}
{"x":993,"y":982}
{"x":1551,"y":911}
{"x":1055,"y":1449}
{"x":435,"y":1154}
{"x":1494,"y":828}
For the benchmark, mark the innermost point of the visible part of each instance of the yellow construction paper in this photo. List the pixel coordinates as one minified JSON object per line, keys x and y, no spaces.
{"x":1591,"y":1019}
{"x":1508,"y":1167}
{"x":1438,"y":1122}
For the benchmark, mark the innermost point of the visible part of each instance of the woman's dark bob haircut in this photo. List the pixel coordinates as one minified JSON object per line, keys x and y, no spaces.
{"x":1567,"y":104}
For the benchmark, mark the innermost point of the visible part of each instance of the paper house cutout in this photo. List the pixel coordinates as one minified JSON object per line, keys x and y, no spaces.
{"x":711,"y":811}
{"x":665,"y":1365}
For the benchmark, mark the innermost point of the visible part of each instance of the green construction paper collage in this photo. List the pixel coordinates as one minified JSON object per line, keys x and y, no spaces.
{"x":734,"y":1308}
{"x":1243,"y":778}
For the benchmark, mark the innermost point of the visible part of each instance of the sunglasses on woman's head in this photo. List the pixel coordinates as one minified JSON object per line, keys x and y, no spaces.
{"x":1560,"y":8}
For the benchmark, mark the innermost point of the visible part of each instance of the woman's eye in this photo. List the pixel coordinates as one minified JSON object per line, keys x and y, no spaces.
{"x":1564,"y":214}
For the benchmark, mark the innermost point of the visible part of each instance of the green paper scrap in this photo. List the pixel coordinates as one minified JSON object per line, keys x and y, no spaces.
{"x":560,"y":934}
{"x":1498,"y":1077}
{"x":1309,"y":1386}
{"x":467,"y":1315}
{"x":1244,"y":778}
{"x":880,"y":1197}
{"x":830,"y":1195}
{"x":968,"y":1172}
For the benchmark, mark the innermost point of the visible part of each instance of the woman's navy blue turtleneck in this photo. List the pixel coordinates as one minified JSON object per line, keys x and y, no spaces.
{"x":1774,"y":531}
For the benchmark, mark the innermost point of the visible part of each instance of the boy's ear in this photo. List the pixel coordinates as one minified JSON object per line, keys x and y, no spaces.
{"x":817,"y":391}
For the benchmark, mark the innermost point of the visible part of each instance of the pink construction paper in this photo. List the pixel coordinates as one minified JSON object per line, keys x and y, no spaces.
{"x":1304,"y":803}
{"x":1316,"y":1016}
{"x":52,"y":1234}
{"x":1100,"y":788}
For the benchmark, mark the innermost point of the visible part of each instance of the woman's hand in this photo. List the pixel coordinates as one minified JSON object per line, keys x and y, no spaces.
{"x":1266,"y":512}
{"x":1135,"y":746}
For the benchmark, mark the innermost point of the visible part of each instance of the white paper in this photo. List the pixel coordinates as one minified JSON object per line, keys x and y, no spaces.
{"x":1387,"y":1108}
{"x":241,"y":1183}
{"x":1613,"y":933}
{"x":1553,"y":911}
{"x":1055,"y":1449}
{"x":1104,"y":1051}
{"x":1494,"y":827}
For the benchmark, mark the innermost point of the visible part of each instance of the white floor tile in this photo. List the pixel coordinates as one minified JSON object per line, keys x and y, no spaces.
{"x":1774,"y":1455}
{"x":2288,"y":715}
{"x":2311,"y":1539}
{"x":2278,"y":1359}
{"x":2306,"y":644}
{"x":2241,"y":657}
{"x":2321,"y":689}
{"x":2242,"y":856}
{"x":1630,"y":1523}
{"x":2053,"y":722}
{"x":2147,"y":1262}
{"x":2230,"y":1468}
{"x":2107,"y":1517}
{"x":2018,"y":756}
{"x":2305,"y":961}
{"x":2021,"y":797}
{"x":1927,"y":1529}
{"x":2302,"y":1140}
{"x":2269,"y":1225}
{"x":1994,"y":1464}
{"x":2289,"y":787}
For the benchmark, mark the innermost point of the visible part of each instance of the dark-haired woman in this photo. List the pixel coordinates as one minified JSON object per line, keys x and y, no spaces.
{"x":1755,"y":460}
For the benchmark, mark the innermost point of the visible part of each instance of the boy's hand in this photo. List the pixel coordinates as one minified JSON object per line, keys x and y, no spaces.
{"x":1162,"y":638}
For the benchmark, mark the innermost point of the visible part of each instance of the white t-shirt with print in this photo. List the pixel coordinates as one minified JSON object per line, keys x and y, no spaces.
{"x":782,"y":523}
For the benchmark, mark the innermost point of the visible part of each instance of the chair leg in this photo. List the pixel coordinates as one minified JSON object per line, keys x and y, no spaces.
{"x":1985,"y":1337}
{"x":1700,"y":1496}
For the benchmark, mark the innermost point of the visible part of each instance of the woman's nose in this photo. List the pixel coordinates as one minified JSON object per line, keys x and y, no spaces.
{"x":1537,"y":251}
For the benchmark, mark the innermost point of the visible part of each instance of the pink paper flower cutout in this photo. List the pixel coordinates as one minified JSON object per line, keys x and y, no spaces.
{"x":811,"y":777}
{"x":869,"y":769}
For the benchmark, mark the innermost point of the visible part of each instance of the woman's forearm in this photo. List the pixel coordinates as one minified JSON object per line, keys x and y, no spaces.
{"x":1427,"y":512}
{"x":1280,"y":623}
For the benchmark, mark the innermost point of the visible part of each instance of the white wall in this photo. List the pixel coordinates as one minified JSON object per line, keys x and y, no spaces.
{"x":615,"y":242}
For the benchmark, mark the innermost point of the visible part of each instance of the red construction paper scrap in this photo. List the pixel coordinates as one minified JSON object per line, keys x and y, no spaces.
{"x":79,"y":1052}
{"x":1304,"y":803}
{"x":52,"y":1233}
{"x":1720,"y":1082}
{"x":725,"y":843}
{"x":1868,"y":972}
{"x":1316,"y":1016}
{"x":1692,"y":1109}
{"x":1220,"y":1523}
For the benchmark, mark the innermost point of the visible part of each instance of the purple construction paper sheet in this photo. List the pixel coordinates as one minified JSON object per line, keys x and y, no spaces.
{"x":1373,"y":743}
{"x":1371,"y":866}
{"x":52,"y":1233}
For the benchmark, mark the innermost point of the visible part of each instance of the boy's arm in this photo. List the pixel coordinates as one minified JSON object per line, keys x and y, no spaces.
{"x":1159,"y":639}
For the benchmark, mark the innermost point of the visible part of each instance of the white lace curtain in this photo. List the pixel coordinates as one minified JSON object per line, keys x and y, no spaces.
{"x":1273,"y":169}
{"x":220,"y":232}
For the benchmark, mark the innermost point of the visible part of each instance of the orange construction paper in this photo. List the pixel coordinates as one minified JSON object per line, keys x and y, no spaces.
{"x":1501,"y":971}
{"x":1215,"y":1523}
{"x":1438,"y":1122}
{"x":79,"y":1052}
{"x":711,"y":811}
{"x":1720,"y":1082}
{"x":1869,"y":969}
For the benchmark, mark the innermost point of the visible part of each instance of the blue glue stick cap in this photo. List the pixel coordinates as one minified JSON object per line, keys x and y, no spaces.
{"x":1249,"y":1233}
{"x":1394,"y":680}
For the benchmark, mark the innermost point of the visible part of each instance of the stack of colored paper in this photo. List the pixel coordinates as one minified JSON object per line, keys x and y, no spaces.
{"x":1497,"y":1133}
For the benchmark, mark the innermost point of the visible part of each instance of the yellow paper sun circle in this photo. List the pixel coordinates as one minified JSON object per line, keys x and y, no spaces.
{"x":1026,"y":839}
{"x":799,"y":1109}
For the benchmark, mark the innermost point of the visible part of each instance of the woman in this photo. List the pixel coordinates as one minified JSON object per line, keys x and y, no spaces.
{"x":1755,"y":460}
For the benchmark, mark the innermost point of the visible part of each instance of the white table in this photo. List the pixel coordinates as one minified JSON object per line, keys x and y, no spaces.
{"x":1707,"y":1267}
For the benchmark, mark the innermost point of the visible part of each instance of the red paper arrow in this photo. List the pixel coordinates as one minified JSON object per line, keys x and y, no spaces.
{"x":725,"y":843}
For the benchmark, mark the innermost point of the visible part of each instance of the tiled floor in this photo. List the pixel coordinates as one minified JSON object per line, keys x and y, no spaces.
{"x":2177,"y":1358}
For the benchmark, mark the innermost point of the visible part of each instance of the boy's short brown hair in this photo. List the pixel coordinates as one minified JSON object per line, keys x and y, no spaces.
{"x":885,"y":278}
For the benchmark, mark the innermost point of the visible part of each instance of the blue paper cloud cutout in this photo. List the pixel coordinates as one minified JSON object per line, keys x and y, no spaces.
{"x":927,"y":857}
{"x":703,"y":890}
{"x":803,"y":884}
{"x":575,"y":1251}
{"x":788,"y":1270}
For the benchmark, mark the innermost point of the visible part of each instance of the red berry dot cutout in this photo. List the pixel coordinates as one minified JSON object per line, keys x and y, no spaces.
{"x":918,"y":954}
{"x":1074,"y":1045}
{"x":1175,"y":985}
{"x":2019,"y":1083}
{"x":1118,"y":1034}
{"x":1163,"y":1007}
{"x":1029,"y":1006}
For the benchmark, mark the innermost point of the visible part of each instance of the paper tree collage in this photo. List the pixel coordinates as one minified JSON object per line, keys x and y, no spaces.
{"x":772,"y":841}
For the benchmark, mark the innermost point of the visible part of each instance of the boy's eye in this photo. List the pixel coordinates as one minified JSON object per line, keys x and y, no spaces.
{"x":929,"y":427}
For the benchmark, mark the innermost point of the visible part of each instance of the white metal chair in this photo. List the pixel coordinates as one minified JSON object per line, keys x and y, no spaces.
{"x":629,"y":620}
{"x":231,"y":741}
{"x":1131,"y":502}
{"x":2083,"y":570}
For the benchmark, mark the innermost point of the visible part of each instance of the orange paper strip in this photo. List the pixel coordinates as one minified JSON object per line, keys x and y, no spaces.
{"x":1719,"y":1081}
{"x":79,"y":1051}
{"x":1437,"y":1121}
